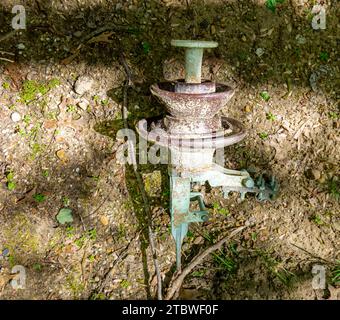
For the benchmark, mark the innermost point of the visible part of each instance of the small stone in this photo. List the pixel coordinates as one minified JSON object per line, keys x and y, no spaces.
{"x":5,"y":252}
{"x":104,"y":220}
{"x":322,"y":179}
{"x":247,"y":108}
{"x":244,"y":38}
{"x":50,"y":124}
{"x":300,"y":39}
{"x":259,"y":52}
{"x":16,"y":117}
{"x":198,"y":240}
{"x":78,"y":34}
{"x":21,"y":46}
{"x":336,"y":225}
{"x":213,"y":29}
{"x":316,"y":174}
{"x":83,"y":85}
{"x":82,"y":105}
{"x":91,"y":25}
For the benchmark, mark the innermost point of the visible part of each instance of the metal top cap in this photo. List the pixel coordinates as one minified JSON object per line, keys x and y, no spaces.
{"x":193,"y":57}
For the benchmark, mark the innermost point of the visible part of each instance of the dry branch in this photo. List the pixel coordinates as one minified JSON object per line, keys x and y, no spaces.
{"x":176,"y":284}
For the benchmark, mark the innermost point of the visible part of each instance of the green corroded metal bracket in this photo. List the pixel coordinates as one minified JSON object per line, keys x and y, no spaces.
{"x":230,"y":180}
{"x":193,"y":57}
{"x":181,"y":216}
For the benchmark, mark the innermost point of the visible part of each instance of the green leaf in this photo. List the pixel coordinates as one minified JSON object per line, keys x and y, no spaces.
{"x":324,"y":56}
{"x":11,"y":185}
{"x":271,"y":4}
{"x":10,"y":176}
{"x":265,"y":95}
{"x":263,"y":135}
{"x":39,"y":197}
{"x":65,"y":216}
{"x":146,"y":47}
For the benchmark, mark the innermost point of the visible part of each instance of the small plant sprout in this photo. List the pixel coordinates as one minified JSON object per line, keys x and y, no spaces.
{"x":39,"y":197}
{"x":146,"y":47}
{"x":333,"y":115}
{"x":27,"y":119}
{"x":270,"y":116}
{"x":125,"y":284}
{"x":105,"y":102}
{"x":324,"y":56}
{"x":11,"y":185}
{"x":263,"y":135}
{"x":317,"y":220}
{"x":71,"y":108}
{"x":66,"y":201}
{"x":6,"y":85}
{"x":265,"y":95}
{"x":336,"y":274}
{"x":272,"y":4}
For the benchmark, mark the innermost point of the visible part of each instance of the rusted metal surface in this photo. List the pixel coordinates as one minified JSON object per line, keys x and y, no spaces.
{"x":195,"y":88}
{"x":233,"y":131}
{"x":182,"y":105}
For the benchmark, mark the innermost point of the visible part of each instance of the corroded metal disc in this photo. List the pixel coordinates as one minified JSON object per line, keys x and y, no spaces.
{"x":155,"y":131}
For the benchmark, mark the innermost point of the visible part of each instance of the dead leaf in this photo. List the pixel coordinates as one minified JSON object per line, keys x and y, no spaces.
{"x":104,"y":37}
{"x":61,"y":154}
{"x":13,"y":71}
{"x":50,"y":124}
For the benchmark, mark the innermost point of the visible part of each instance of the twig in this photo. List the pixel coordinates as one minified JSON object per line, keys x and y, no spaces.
{"x":8,"y":35}
{"x":98,"y":208}
{"x":311,"y":254}
{"x":121,"y":256}
{"x":8,"y":60}
{"x":147,"y":209}
{"x":6,"y":52}
{"x":176,"y":284}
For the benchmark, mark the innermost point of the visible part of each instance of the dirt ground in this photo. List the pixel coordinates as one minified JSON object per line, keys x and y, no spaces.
{"x":61,"y":94}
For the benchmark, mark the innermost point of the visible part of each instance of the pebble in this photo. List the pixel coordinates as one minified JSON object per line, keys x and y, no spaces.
{"x":316,"y":174}
{"x":15,"y":116}
{"x":5,"y":252}
{"x":104,"y":220}
{"x":21,"y":46}
{"x":78,"y":34}
{"x":300,"y":39}
{"x":83,"y":85}
{"x":336,"y":225}
{"x":259,"y":52}
{"x":247,"y":108}
{"x":82,"y":105}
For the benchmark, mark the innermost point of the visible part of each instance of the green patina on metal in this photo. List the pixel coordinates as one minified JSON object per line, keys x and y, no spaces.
{"x":193,"y":57}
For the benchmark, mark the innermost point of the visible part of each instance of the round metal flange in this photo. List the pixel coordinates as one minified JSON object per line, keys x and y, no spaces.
{"x":235,"y":129}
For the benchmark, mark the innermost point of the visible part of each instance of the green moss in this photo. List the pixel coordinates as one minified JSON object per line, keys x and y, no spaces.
{"x":20,"y":237}
{"x":31,"y":89}
{"x":75,"y":285}
{"x":153,"y":183}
